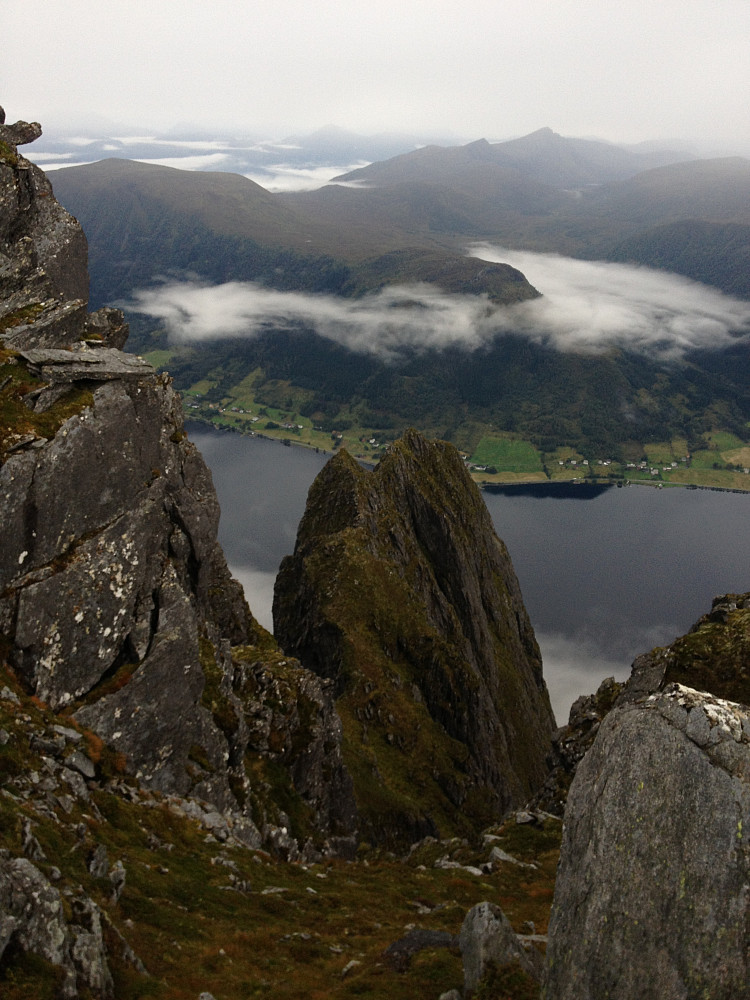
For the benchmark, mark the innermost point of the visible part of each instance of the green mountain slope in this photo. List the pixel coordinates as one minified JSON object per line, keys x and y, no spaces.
{"x":717,"y":253}
{"x":401,"y":593}
{"x":567,"y":405}
{"x":144,"y":222}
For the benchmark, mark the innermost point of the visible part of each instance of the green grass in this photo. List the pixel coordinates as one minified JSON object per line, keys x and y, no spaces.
{"x":724,"y":441}
{"x":160,"y":358}
{"x":706,"y":459}
{"x":200,"y":388}
{"x":663,"y":452}
{"x":507,"y":454}
{"x":516,"y":458}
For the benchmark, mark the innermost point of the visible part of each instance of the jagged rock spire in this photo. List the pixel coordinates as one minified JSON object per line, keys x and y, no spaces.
{"x":400,"y":592}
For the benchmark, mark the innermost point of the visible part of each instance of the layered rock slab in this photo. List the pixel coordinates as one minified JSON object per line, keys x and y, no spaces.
{"x":400,"y":592}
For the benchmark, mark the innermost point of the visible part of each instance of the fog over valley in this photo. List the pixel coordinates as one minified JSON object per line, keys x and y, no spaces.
{"x":585,"y":306}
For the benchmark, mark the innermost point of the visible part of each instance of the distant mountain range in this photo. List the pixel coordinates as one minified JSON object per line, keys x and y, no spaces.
{"x":543,"y":156}
{"x":292,"y":162}
{"x":542,"y":192}
{"x":411,"y":218}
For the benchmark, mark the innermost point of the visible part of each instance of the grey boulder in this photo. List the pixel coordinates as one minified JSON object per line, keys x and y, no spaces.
{"x":652,"y":898}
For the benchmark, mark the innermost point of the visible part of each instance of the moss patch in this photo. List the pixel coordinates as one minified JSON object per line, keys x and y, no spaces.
{"x":16,"y":419}
{"x":715,"y":655}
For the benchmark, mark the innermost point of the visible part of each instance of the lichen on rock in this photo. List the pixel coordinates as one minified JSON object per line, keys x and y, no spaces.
{"x":116,"y":603}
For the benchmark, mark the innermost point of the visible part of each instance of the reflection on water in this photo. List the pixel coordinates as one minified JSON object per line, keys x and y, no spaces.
{"x":548,"y":491}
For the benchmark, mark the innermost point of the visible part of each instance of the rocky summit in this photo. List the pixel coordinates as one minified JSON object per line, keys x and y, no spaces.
{"x":400,"y":593}
{"x":189,"y":809}
{"x":168,"y":773}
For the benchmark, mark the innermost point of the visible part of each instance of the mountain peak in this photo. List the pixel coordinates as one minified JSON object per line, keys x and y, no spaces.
{"x":400,"y":592}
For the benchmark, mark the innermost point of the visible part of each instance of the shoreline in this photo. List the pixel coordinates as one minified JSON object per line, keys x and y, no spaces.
{"x":483,"y":484}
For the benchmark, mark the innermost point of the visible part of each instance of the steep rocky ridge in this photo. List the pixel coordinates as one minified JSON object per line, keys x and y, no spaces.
{"x":116,"y":604}
{"x":400,"y":592}
{"x":651,"y":898}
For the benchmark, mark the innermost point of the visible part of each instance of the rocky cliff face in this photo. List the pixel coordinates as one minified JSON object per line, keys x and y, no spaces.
{"x":116,"y":605}
{"x":146,"y":718}
{"x":651,"y":898}
{"x":400,"y":592}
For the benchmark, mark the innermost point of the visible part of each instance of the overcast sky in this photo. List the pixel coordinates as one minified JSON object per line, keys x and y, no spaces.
{"x":625,"y":70}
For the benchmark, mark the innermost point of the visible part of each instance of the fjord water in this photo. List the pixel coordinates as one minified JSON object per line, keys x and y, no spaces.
{"x":606,"y":573}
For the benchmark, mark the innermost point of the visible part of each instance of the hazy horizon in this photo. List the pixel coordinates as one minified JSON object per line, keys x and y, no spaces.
{"x":627,"y":73}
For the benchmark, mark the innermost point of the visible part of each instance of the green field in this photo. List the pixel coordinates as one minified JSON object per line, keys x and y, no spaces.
{"x":664,"y":452}
{"x":277,"y":408}
{"x":159,"y":358}
{"x":507,"y":455}
{"x":724,"y":441}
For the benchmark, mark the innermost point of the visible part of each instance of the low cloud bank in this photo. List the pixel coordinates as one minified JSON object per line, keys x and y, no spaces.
{"x":282,"y":177}
{"x":594,"y":305}
{"x":585,"y":306}
{"x":200,"y":161}
{"x":258,"y":588}
{"x":416,"y":317}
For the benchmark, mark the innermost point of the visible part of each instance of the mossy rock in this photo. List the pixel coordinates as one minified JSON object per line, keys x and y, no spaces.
{"x":400,"y":592}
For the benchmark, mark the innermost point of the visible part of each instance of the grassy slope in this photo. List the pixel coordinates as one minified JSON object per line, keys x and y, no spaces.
{"x":255,"y":405}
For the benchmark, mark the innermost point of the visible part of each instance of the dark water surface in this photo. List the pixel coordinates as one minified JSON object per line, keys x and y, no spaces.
{"x":605,"y":573}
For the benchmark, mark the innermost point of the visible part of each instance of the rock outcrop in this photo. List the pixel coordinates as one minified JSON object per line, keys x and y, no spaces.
{"x":116,"y":603}
{"x":400,"y":592}
{"x":652,"y":898}
{"x":33,"y":919}
{"x":571,"y":742}
{"x":713,"y":656}
{"x":487,"y":940}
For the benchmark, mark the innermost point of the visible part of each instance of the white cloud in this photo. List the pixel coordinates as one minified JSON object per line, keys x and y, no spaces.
{"x":203,"y":161}
{"x":585,"y":306}
{"x":58,"y":156}
{"x":258,"y":587}
{"x":56,"y":164}
{"x":594,"y":305}
{"x":279,"y":177}
{"x":576,"y":664}
{"x":151,"y":140}
{"x":403,"y":317}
